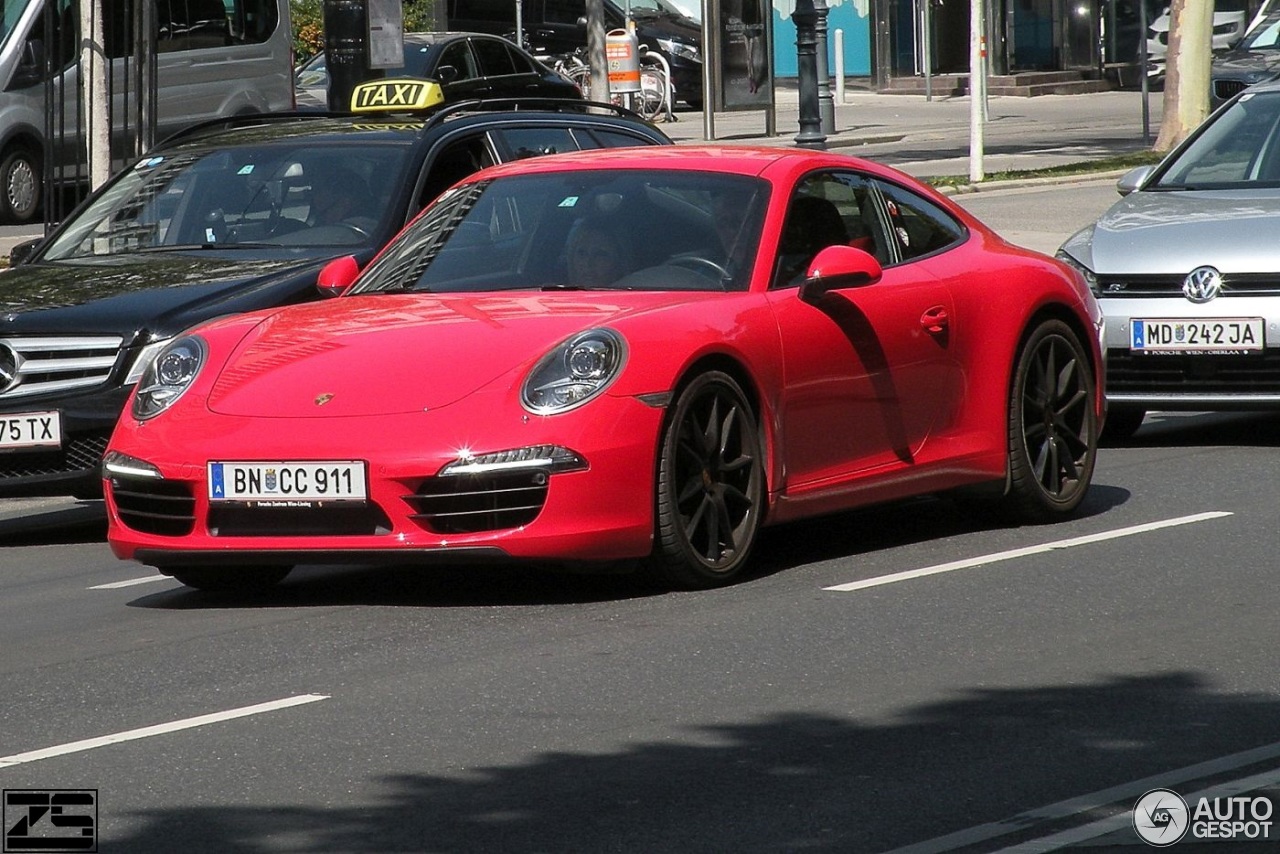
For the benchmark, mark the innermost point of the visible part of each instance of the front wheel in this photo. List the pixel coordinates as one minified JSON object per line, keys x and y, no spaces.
{"x":710,"y":485}
{"x":1053,"y":431}
{"x":20,"y":185}
{"x":234,"y":579}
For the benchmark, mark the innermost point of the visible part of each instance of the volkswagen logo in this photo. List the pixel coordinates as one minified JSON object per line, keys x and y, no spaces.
{"x":1202,"y":284}
{"x":9,"y":362}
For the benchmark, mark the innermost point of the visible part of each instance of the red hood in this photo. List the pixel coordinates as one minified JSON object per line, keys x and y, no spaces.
{"x":404,"y":353}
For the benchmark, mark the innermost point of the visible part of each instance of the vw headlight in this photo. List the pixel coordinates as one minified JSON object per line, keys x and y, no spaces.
{"x":574,"y":372}
{"x":684,"y":50}
{"x":168,"y":375}
{"x":1090,"y":278}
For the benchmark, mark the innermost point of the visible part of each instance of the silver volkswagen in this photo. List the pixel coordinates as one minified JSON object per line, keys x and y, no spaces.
{"x":1187,"y":274}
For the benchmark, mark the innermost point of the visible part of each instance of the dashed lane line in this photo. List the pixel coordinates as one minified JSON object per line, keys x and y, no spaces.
{"x":158,"y":729}
{"x":983,"y":560}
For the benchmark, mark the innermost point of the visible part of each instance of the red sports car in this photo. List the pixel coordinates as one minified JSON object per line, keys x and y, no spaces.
{"x":627,"y":356}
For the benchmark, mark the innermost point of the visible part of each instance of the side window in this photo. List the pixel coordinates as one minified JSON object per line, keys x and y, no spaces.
{"x":455,"y":161}
{"x":535,"y":142}
{"x":563,"y":11}
{"x":519,"y":62}
{"x":827,"y":209}
{"x":918,"y":226}
{"x":458,"y":55}
{"x":191,"y":25}
{"x":493,"y":57}
{"x":609,"y":139}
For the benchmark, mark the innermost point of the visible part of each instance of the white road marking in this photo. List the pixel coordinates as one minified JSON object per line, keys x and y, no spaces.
{"x":1125,"y":793}
{"x":983,"y":560}
{"x":132,"y":582}
{"x":158,"y":729}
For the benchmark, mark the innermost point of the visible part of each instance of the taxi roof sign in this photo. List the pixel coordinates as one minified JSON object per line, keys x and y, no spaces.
{"x":395,"y":95}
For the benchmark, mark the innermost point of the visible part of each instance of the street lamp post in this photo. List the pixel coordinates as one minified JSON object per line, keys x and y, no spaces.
{"x":826,"y":104}
{"x":805,"y":17}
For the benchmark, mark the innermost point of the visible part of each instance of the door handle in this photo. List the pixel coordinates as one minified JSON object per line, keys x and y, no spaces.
{"x":935,"y":320}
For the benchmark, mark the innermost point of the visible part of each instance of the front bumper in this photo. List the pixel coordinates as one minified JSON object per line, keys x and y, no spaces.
{"x":1194,"y":381}
{"x":74,"y":467}
{"x":600,"y":514}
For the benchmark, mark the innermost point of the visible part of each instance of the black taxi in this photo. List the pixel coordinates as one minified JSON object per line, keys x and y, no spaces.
{"x":230,"y":216}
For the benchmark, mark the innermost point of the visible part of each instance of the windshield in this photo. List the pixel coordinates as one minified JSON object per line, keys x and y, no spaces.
{"x":269,"y":195}
{"x":1266,"y":36}
{"x":596,"y":229}
{"x":1240,"y":147}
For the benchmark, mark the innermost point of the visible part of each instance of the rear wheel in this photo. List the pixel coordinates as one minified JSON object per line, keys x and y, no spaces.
{"x":20,"y":191}
{"x":1052,"y":425}
{"x":235,"y":579}
{"x":710,"y":485}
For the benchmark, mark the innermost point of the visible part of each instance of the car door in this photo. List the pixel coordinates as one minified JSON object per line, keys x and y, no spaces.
{"x":868,"y":371}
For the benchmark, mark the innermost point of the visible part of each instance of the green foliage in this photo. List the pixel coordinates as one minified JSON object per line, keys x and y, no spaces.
{"x":308,"y":23}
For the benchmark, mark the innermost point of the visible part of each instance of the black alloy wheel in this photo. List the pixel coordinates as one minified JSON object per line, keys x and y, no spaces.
{"x":1053,"y":433}
{"x":710,"y":485}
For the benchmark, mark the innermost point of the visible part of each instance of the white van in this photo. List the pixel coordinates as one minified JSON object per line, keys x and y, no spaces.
{"x":214,"y":58}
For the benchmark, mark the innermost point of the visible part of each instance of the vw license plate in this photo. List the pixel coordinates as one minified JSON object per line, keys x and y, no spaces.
{"x":287,"y":484}
{"x":1210,"y":335}
{"x":31,"y":430}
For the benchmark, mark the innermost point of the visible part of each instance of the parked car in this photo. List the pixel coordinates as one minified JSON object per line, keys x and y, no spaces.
{"x":602,"y":358}
{"x":466,"y":65}
{"x":561,"y":28}
{"x":1254,"y":60}
{"x":233,"y":216}
{"x":1228,"y":29}
{"x":1186,"y":274}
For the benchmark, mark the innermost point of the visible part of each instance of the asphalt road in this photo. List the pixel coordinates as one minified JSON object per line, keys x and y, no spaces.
{"x":1068,"y":670}
{"x":907,"y":677}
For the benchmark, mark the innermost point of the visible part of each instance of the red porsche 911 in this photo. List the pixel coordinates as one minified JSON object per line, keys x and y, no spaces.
{"x":622,"y":357}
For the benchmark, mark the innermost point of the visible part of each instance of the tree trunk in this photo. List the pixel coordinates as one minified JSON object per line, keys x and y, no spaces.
{"x":1187,"y":66}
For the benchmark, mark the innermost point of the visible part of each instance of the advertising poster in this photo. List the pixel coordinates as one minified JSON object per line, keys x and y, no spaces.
{"x":746,"y":69}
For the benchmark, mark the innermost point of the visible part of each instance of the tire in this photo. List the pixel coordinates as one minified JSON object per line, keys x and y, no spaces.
{"x":1052,"y":427}
{"x":710,"y":485}
{"x":236,"y":579}
{"x":1122,"y":422}
{"x":20,"y":185}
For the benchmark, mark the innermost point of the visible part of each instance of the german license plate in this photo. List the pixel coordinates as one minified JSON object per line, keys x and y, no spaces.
{"x":1210,"y":335}
{"x":30,"y":430}
{"x":287,"y":484}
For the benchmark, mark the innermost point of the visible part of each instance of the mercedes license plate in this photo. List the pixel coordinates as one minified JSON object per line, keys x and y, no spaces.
{"x":288,"y":484}
{"x":30,"y":430}
{"x":1226,"y":335}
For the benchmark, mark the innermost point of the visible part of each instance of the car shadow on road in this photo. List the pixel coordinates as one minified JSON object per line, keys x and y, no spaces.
{"x":999,"y":763}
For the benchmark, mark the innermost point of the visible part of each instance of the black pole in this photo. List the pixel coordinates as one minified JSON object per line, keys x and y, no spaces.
{"x":346,"y":50}
{"x":805,"y":18}
{"x":826,"y":103}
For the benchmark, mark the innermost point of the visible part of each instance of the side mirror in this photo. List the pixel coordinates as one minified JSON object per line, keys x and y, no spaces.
{"x":337,"y":276}
{"x":447,"y":73}
{"x":31,"y":65}
{"x":839,"y":267}
{"x":22,"y":252}
{"x":1132,"y":181}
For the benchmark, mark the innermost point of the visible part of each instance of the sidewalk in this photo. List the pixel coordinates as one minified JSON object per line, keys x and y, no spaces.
{"x":929,"y":138}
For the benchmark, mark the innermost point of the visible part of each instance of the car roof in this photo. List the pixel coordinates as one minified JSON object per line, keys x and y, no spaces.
{"x":733,"y":159}
{"x":404,"y":129}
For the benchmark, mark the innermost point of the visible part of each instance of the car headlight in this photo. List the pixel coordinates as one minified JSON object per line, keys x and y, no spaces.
{"x":574,"y":372}
{"x":684,"y":50}
{"x":1090,"y":278}
{"x":145,"y":358}
{"x":168,"y":375}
